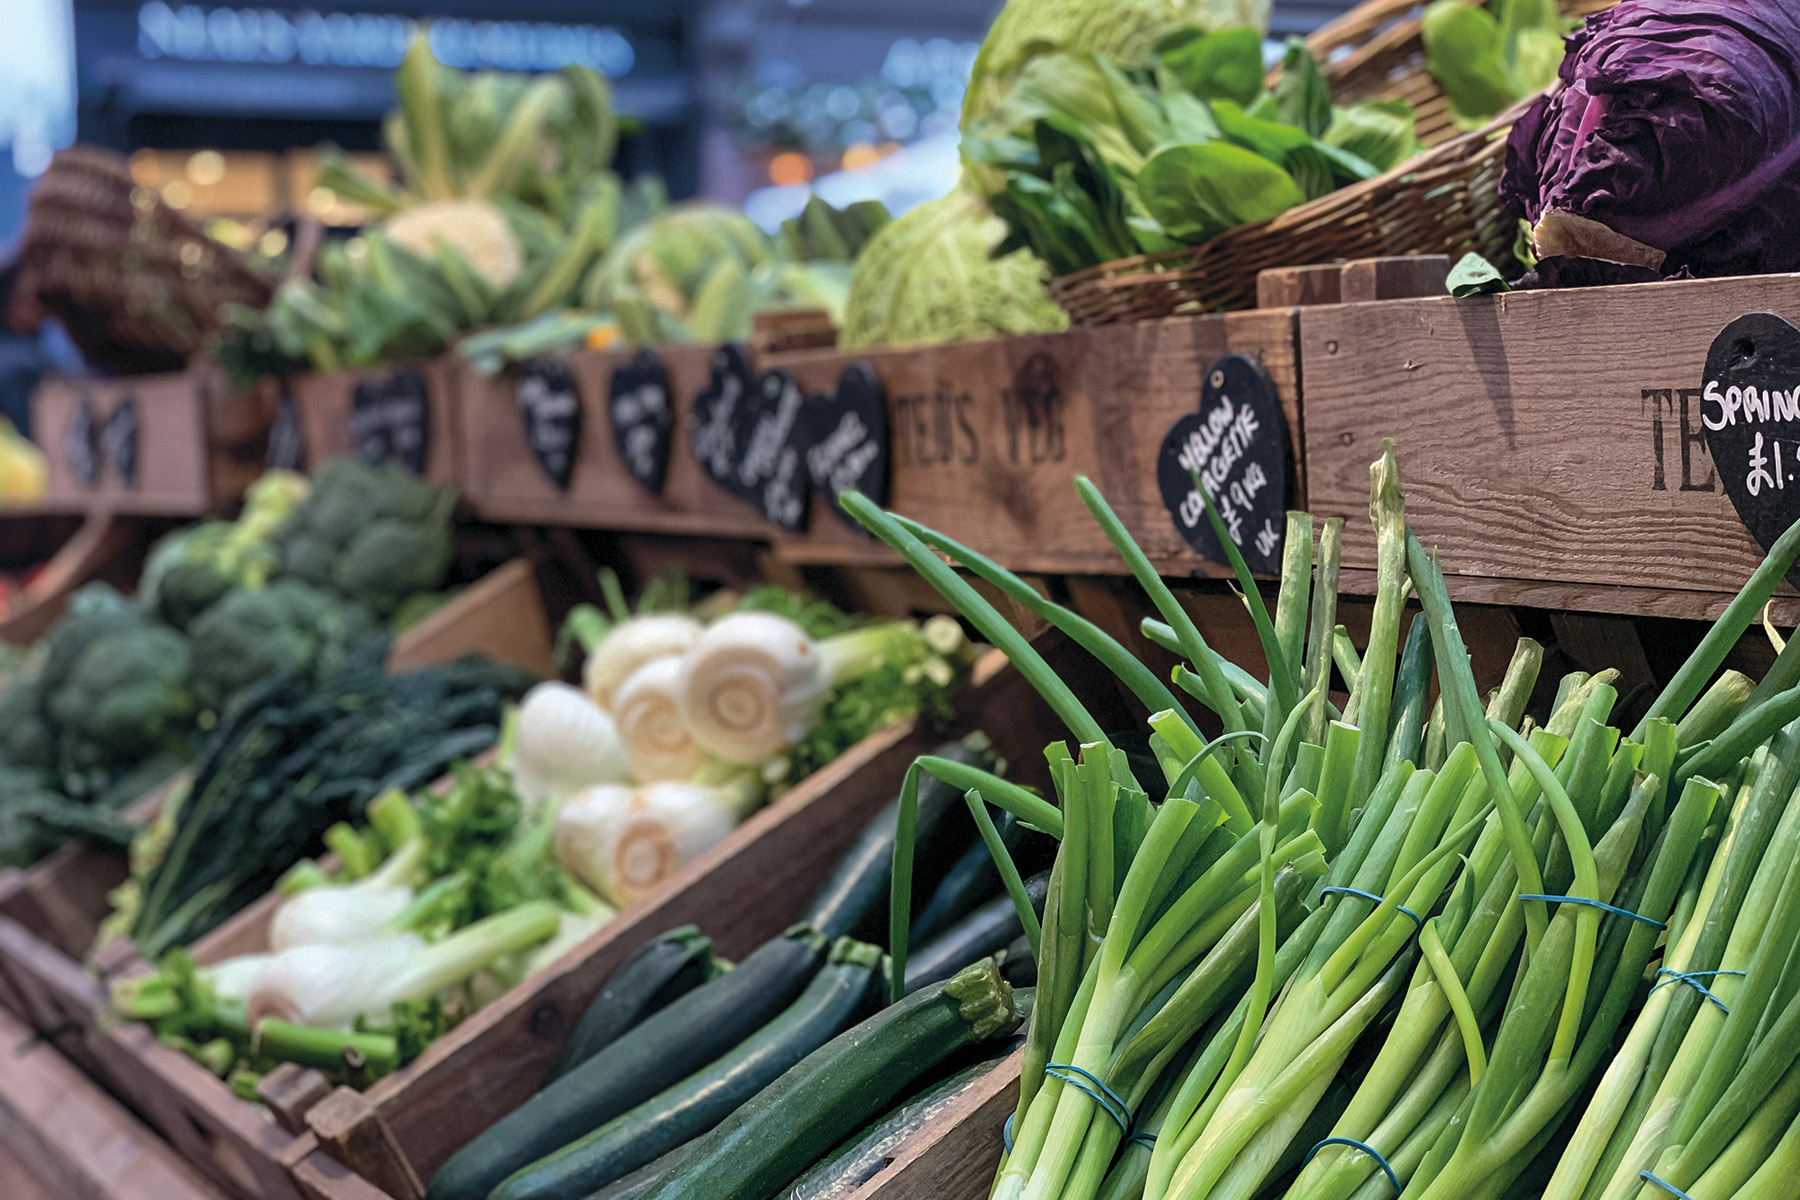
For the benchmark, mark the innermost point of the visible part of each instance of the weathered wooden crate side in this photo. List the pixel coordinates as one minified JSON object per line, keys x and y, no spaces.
{"x":1550,"y":443}
{"x":502,"y":480}
{"x":987,"y":437}
{"x":323,"y":403}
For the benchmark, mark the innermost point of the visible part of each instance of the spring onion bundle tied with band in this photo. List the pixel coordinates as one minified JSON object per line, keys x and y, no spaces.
{"x":1402,"y":948}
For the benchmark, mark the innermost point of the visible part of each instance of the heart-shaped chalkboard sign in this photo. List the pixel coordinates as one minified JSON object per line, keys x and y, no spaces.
{"x":545,"y":393}
{"x":391,"y":418}
{"x":722,"y":416}
{"x":846,"y":437}
{"x":772,"y":469}
{"x":1238,"y":444}
{"x":81,"y":443}
{"x":1750,"y":407}
{"x":642,"y":417}
{"x":287,"y":441}
{"x":119,"y":439}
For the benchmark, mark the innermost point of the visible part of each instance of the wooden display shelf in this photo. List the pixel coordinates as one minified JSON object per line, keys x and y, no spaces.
{"x":198,"y":443}
{"x":324,"y":402}
{"x":502,"y":481}
{"x":62,"y":1138}
{"x":750,"y":887}
{"x":1550,"y":443}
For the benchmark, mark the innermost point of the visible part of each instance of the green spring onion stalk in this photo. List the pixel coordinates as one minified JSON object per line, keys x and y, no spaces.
{"x":1319,"y":636}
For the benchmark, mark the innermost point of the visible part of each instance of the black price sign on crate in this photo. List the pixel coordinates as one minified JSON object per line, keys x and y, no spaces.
{"x":1750,"y":407}
{"x":846,"y":440}
{"x":546,"y":396}
{"x":119,"y":439}
{"x":720,"y":422}
{"x":287,"y":441}
{"x":81,"y":443}
{"x":643,"y":421}
{"x":772,"y":467}
{"x":391,"y":418}
{"x":1238,"y":445}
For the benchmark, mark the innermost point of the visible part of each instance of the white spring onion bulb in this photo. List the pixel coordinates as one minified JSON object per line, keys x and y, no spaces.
{"x":632,"y":643}
{"x":647,"y":708}
{"x":328,"y":987}
{"x":565,"y":743}
{"x":623,"y":842}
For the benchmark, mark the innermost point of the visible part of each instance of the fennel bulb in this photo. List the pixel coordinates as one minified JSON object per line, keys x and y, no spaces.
{"x":342,"y":913}
{"x":754,"y":683}
{"x":647,"y":708}
{"x":632,"y":643}
{"x":329,"y":987}
{"x":623,"y":841}
{"x":231,"y":978}
{"x":564,"y":743}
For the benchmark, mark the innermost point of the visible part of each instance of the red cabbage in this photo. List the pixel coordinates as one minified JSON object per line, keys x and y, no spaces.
{"x":1677,"y":124}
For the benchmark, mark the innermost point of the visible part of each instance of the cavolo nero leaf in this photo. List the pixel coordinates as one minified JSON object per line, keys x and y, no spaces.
{"x":1226,"y":65}
{"x":1198,"y":191}
{"x":1302,"y":97}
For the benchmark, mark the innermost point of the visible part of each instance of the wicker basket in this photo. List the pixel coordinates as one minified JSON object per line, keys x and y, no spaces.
{"x":136,"y":283}
{"x":1444,"y":201}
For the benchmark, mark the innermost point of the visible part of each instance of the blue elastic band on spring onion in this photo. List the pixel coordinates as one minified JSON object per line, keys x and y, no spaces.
{"x":1104,"y":1096}
{"x":1664,"y":1184}
{"x":1350,"y":891}
{"x":1692,"y":979}
{"x":1367,"y":1149}
{"x":1147,"y":1140}
{"x":1006,"y":1132}
{"x":1599,"y":904}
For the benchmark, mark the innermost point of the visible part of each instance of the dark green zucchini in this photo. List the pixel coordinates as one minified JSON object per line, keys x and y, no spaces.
{"x":862,"y":1157}
{"x":772,"y":1140}
{"x":1018,"y":967}
{"x":635,"y":1185}
{"x":665,"y":1049}
{"x":987,"y":930}
{"x":858,"y":889}
{"x":655,"y":974}
{"x":705,"y":1098}
{"x":971,"y":880}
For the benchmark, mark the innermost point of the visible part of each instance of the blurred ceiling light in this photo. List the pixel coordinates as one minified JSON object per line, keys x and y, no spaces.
{"x":146,"y":168}
{"x":790,"y":167}
{"x":177,"y":193}
{"x":858,"y":155}
{"x":205,"y":168}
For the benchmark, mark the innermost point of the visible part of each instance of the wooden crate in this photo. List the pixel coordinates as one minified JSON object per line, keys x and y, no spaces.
{"x":198,"y":445}
{"x":62,"y":1138}
{"x":502,"y":480}
{"x":743,"y":891}
{"x":1550,"y":443}
{"x":323,"y":403}
{"x":967,"y":459}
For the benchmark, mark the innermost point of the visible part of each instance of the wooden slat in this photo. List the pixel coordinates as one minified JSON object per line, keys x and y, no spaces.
{"x":173,"y":476}
{"x":1542,"y":439}
{"x":61,"y":1137}
{"x":500,"y":617}
{"x":323,"y":401}
{"x":970,"y":459}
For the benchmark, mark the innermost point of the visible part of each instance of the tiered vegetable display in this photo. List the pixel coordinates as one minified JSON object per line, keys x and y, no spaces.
{"x":690,"y":718}
{"x":1393,"y":949}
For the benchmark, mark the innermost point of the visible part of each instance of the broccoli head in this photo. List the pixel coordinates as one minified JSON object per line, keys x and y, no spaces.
{"x":348,"y":495}
{"x":94,"y":612}
{"x":25,"y":739}
{"x":391,"y":560}
{"x":287,"y":626}
{"x":188,"y":589}
{"x":126,"y":695}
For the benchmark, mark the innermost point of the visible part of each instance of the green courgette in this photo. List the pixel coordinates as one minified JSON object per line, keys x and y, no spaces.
{"x":861,"y":1158}
{"x":654,"y":975}
{"x":770,"y":1141}
{"x":665,"y":1049}
{"x":988,"y":930}
{"x":858,"y":888}
{"x":705,"y":1098}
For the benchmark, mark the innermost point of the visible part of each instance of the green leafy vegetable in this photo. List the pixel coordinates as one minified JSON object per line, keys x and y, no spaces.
{"x":1198,"y":191}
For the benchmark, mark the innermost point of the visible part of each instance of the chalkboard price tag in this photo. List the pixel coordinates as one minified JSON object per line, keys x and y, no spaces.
{"x":772,"y":469}
{"x":546,"y":396}
{"x":287,"y":441}
{"x":1750,"y":408}
{"x":845,"y":437}
{"x":1238,"y":444}
{"x":119,"y":439}
{"x":391,"y":418}
{"x":642,"y":418}
{"x":81,"y":444}
{"x":722,"y":416}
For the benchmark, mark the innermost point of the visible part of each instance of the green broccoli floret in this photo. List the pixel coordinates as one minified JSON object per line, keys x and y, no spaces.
{"x":126,"y":695}
{"x":347,"y":495}
{"x":188,"y":589}
{"x":287,"y":626}
{"x":25,"y":739}
{"x":392,"y":560}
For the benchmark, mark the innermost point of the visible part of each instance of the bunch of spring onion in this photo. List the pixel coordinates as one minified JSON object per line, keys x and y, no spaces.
{"x":1395,"y":940}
